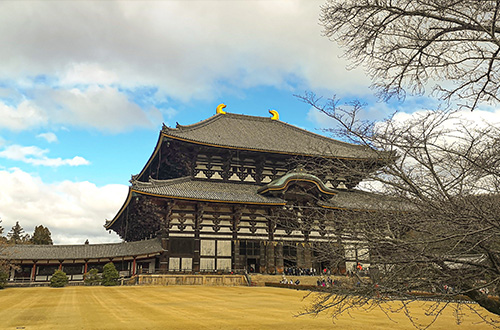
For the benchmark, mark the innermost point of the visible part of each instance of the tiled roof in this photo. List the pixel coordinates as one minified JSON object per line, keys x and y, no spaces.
{"x":188,"y":188}
{"x":362,"y":200}
{"x":84,"y":251}
{"x":263,"y":134}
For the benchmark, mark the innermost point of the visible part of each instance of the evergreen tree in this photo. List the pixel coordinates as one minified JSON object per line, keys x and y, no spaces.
{"x":2,"y":238}
{"x":4,"y":275}
{"x":92,"y":277}
{"x":59,"y":279}
{"x":41,"y":236}
{"x":16,"y":235}
{"x":109,"y":275}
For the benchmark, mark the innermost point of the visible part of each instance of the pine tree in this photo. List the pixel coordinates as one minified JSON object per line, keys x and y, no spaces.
{"x":59,"y":279}
{"x":109,"y":275}
{"x":2,"y":238}
{"x":92,"y":277}
{"x":16,"y":235}
{"x":41,"y":236}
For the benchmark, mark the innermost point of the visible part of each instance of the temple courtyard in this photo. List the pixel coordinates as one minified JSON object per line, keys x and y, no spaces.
{"x":189,"y":307}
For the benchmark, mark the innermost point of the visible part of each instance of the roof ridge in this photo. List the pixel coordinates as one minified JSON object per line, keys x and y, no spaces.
{"x":207,"y":121}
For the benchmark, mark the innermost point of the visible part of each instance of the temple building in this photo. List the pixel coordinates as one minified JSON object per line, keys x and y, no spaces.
{"x":231,"y":193}
{"x":238,"y":192}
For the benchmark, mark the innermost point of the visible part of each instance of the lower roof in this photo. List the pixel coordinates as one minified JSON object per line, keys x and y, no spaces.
{"x":218,"y":191}
{"x":84,"y":251}
{"x":187,"y":188}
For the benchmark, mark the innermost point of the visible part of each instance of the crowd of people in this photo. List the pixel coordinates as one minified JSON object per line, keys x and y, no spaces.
{"x":290,"y":282}
{"x":327,"y":282}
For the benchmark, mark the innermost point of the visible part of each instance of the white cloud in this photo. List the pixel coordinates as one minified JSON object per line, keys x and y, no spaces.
{"x":189,"y":49}
{"x":170,"y":113}
{"x":73,"y":211}
{"x":49,"y":137}
{"x":102,"y":107}
{"x":23,"y":116}
{"x":87,"y":74}
{"x":36,"y":156}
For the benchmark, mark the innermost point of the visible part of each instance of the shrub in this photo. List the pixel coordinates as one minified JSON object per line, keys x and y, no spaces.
{"x":92,"y":277}
{"x":4,"y":276}
{"x":109,"y":275}
{"x":59,"y":279}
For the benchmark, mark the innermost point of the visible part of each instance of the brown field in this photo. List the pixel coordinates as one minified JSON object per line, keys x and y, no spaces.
{"x":186,"y":307}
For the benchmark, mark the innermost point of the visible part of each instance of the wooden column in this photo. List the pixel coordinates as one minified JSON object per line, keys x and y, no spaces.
{"x":262,"y":259}
{"x":164,"y":232}
{"x":236,"y":259}
{"x":300,"y":255}
{"x":307,"y":255}
{"x":270,"y":259}
{"x":279,"y":258}
{"x":33,"y":271}
{"x":200,"y":209}
{"x":134,"y":266}
{"x":86,"y":266}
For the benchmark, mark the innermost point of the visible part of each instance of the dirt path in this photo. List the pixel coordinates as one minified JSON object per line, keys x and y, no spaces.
{"x":182,"y":307}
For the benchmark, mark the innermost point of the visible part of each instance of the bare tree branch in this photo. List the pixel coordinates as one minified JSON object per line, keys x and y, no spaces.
{"x":405,"y":44}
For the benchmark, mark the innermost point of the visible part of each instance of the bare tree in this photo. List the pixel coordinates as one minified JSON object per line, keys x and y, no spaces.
{"x":407,"y":43}
{"x":436,"y":232}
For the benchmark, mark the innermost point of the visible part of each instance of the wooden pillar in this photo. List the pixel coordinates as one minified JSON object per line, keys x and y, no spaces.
{"x":86,"y":266}
{"x":307,"y":255}
{"x":279,"y":258}
{"x":134,"y":266}
{"x":164,"y":256}
{"x":200,"y":210}
{"x":33,"y":271}
{"x":12,"y":274}
{"x":60,"y":264}
{"x":300,"y":255}
{"x":270,"y":259}
{"x":262,"y":259}
{"x":236,"y":260}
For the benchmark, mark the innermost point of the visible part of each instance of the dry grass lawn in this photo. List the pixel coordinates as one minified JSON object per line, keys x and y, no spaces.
{"x":184,"y":307}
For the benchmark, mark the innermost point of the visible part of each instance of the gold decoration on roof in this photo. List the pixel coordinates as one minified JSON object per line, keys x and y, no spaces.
{"x":220,"y":107}
{"x":276,"y":115}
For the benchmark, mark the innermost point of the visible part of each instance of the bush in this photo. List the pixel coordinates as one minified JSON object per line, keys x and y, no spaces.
{"x":109,"y":275}
{"x":92,"y":277}
{"x":4,"y":276}
{"x":59,"y":279}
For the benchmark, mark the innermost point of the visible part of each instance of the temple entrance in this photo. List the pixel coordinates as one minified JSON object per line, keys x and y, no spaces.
{"x":252,"y":265}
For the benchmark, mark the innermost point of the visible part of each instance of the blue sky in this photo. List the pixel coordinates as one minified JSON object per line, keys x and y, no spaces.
{"x":86,"y":86}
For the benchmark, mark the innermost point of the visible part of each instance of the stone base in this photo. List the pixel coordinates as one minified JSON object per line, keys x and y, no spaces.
{"x":210,"y":280}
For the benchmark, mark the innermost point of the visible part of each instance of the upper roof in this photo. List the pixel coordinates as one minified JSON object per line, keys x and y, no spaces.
{"x":83,"y":251}
{"x":264,"y":134}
